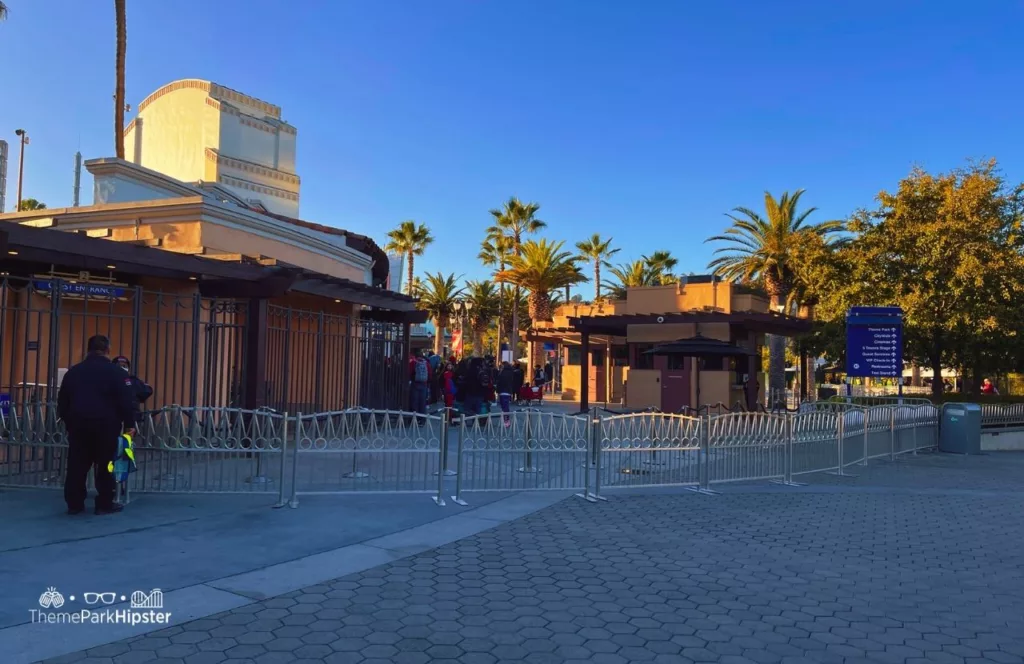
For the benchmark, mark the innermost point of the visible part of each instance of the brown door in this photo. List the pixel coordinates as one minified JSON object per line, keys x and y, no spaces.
{"x":597,"y":376}
{"x":675,"y":382}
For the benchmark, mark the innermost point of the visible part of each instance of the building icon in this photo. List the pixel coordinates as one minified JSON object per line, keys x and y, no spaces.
{"x":154,"y":600}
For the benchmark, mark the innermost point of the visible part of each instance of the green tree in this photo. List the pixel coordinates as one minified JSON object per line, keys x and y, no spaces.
{"x":514,"y":221}
{"x":494,"y":253}
{"x":662,"y":264}
{"x":439,"y":296}
{"x":542,"y":269}
{"x":629,"y":275}
{"x":122,"y":47}
{"x":597,"y":251}
{"x":949,"y":250}
{"x":410,"y":240}
{"x":483,"y":303}
{"x":761,"y":250}
{"x":31,"y":204}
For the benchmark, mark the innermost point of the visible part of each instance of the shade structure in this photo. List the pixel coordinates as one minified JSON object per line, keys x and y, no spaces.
{"x":699,"y":346}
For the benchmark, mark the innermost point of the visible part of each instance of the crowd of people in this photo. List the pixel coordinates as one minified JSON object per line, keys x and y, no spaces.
{"x":472,"y":385}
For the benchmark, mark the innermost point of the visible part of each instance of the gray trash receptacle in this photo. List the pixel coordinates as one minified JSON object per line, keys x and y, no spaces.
{"x":960,"y":429}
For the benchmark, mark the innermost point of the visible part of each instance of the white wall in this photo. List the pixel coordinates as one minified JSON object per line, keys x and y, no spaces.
{"x":286,"y":152}
{"x":118,"y":189}
{"x":173,"y":134}
{"x":245,"y":142}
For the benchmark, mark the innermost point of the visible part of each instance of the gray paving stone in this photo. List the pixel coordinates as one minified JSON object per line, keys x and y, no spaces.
{"x":917,"y":560}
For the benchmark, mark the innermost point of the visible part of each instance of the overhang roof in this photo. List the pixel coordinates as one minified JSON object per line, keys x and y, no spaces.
{"x":766,"y":323}
{"x":361,"y":243}
{"x":700,"y":346}
{"x":35,"y":250}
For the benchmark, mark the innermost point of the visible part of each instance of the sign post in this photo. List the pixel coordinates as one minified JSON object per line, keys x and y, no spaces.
{"x":874,"y":343}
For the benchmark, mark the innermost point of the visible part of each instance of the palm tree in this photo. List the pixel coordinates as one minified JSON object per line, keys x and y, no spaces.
{"x":630,"y":275}
{"x":494,"y":251}
{"x":542,"y":268}
{"x":598,"y":252}
{"x":508,"y":308}
{"x":3,"y":11}
{"x":32,"y":204}
{"x":662,"y":263}
{"x":761,"y":250}
{"x":439,"y":297}
{"x":410,"y":240}
{"x":483,"y":303}
{"x":122,"y":46}
{"x":513,"y":221}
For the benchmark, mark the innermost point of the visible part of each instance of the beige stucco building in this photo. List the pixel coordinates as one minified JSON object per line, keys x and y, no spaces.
{"x":604,"y":347}
{"x":193,"y":130}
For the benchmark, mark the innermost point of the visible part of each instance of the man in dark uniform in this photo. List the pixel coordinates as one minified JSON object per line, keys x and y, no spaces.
{"x":96,"y":401}
{"x":140,"y":389}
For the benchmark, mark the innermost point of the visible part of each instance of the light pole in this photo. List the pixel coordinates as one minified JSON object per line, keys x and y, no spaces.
{"x":20,"y":133}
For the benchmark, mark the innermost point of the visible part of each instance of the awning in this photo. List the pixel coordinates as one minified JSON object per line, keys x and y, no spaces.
{"x":700,"y":346}
{"x":760,"y":322}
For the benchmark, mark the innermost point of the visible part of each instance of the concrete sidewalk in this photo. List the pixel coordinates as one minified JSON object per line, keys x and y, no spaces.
{"x":175,"y":541}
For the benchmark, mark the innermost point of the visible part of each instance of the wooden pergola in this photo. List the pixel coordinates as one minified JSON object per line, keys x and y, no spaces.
{"x":618,"y":325}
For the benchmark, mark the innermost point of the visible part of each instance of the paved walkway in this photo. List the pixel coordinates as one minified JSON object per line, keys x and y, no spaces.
{"x":917,"y":561}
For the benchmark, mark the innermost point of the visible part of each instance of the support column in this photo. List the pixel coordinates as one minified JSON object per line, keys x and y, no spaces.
{"x":256,"y":355}
{"x":406,"y":349}
{"x":584,"y":371}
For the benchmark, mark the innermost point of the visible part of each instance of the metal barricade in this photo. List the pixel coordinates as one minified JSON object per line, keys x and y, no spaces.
{"x":853,"y":442}
{"x":523,"y":450}
{"x":994,"y":415}
{"x":878,"y":426}
{"x":210,"y":450}
{"x":368,"y":451}
{"x":649,"y":449}
{"x":747,"y":446}
{"x":815,"y":441}
{"x":33,"y":446}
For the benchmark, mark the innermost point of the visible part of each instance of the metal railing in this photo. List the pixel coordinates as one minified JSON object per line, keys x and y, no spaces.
{"x":1002,"y":415}
{"x":223,"y":450}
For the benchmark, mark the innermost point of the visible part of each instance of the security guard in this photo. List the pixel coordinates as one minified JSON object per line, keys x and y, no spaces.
{"x":140,"y":389}
{"x":96,"y":401}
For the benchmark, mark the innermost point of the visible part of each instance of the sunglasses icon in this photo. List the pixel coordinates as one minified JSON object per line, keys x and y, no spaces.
{"x":93,"y":598}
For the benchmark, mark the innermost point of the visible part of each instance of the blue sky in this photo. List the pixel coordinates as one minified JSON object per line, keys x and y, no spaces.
{"x":643,"y":120}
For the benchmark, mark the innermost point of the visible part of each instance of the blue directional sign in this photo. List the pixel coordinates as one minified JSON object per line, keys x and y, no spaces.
{"x":82,"y":290}
{"x":874,"y":342}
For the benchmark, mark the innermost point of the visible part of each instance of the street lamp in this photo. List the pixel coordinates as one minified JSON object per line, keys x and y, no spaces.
{"x":23,"y":135}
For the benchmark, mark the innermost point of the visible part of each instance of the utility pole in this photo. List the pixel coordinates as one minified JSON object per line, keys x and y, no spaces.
{"x":20,"y":133}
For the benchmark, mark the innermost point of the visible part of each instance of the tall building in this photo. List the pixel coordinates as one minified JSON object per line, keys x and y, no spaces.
{"x":395,"y":272}
{"x":196,"y":130}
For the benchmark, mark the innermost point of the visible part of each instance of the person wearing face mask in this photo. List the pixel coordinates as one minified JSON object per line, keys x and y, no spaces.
{"x":140,"y":389}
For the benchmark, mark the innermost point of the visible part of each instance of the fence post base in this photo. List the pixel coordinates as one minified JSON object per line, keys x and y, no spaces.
{"x":459,"y":501}
{"x":703,"y":491}
{"x":439,"y":500}
{"x":589,"y":497}
{"x":358,"y":475}
{"x":787,"y":483}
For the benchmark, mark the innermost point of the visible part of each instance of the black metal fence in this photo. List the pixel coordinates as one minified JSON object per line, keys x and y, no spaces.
{"x":194,"y":350}
{"x":318,"y":361}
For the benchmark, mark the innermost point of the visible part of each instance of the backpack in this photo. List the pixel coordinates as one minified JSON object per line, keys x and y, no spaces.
{"x":421,"y":374}
{"x":124,"y":462}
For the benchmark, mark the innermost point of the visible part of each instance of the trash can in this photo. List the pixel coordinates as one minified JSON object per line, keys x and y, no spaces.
{"x":960,"y":429}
